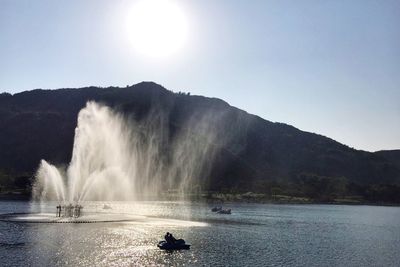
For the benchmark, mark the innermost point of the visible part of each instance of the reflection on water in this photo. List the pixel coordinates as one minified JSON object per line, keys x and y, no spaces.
{"x":261,"y":235}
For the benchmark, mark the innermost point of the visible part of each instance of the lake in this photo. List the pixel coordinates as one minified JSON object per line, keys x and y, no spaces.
{"x":253,"y":235}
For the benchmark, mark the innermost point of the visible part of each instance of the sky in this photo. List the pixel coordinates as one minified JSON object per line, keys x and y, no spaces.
{"x":323,"y":66}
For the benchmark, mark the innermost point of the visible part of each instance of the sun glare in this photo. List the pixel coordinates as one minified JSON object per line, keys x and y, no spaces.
{"x":157,"y":28}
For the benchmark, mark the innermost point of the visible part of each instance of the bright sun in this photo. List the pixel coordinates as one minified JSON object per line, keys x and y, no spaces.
{"x":157,"y":28}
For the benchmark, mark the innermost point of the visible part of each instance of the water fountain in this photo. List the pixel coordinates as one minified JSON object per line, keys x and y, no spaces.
{"x":100,"y":164}
{"x":120,"y":159}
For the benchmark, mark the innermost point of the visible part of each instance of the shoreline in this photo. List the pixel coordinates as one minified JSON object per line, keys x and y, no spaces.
{"x":215,"y":201}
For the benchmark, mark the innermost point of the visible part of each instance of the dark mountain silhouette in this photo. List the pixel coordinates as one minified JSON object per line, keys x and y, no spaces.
{"x":391,"y":155}
{"x":259,"y":155}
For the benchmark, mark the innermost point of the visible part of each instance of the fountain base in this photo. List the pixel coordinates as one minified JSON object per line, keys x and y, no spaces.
{"x":87,"y":218}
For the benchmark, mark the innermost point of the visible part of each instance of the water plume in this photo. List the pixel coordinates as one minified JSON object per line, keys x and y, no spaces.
{"x":120,"y":158}
{"x":97,"y":168}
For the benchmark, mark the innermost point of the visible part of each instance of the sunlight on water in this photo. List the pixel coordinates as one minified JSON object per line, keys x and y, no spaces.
{"x":137,"y":213}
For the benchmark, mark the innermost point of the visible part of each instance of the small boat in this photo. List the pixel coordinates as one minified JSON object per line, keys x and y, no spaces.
{"x":106,"y":207}
{"x":215,"y":209}
{"x":179,"y":244}
{"x":227,"y":211}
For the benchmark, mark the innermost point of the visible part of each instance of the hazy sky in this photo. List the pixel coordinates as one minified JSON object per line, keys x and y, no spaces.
{"x":330,"y":67}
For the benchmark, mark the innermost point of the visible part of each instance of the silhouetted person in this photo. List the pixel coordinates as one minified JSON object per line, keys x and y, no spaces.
{"x":64,"y":210}
{"x":58,"y":214}
{"x":173,"y":239}
{"x":78,"y":210}
{"x":167,"y":238}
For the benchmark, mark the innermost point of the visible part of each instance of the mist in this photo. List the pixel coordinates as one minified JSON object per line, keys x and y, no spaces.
{"x":117,"y":157}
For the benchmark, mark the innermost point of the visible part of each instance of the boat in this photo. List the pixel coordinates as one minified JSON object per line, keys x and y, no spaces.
{"x":227,"y":211}
{"x":179,"y":244}
{"x":106,"y":207}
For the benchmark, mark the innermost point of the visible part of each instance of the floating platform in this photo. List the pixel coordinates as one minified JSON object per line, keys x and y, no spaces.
{"x":51,"y":218}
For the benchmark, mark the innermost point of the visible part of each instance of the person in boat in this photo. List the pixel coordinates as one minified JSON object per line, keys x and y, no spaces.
{"x":170,"y":238}
{"x":167,"y":238}
{"x":173,"y":239}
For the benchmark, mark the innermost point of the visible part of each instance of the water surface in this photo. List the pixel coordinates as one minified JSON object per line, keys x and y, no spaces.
{"x":254,"y":235}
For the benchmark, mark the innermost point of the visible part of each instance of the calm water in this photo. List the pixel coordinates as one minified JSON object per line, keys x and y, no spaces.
{"x":254,"y":235}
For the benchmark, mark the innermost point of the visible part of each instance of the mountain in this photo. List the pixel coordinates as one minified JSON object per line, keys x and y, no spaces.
{"x":253,"y":154}
{"x":391,"y":155}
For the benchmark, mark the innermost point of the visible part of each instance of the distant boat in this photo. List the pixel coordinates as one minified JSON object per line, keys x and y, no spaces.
{"x":227,"y":211}
{"x":106,"y":207}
